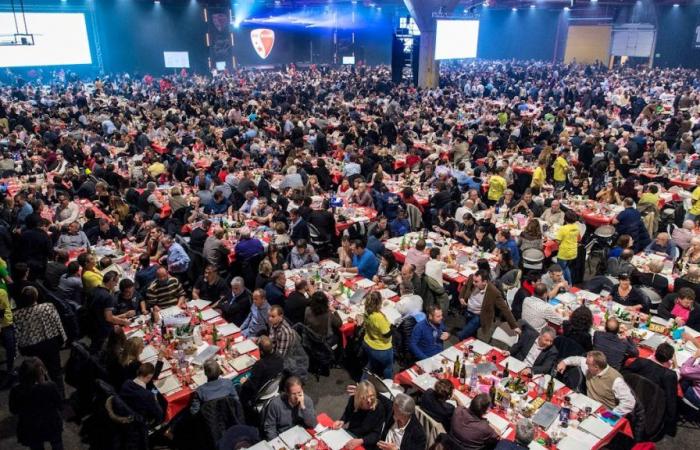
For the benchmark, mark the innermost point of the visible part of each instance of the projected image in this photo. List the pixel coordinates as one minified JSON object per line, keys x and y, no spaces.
{"x":456,"y":39}
{"x":59,"y":39}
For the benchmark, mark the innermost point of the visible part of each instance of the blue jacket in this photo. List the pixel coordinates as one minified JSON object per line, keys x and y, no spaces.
{"x":511,"y":245}
{"x":425,"y":339}
{"x":399,"y":227}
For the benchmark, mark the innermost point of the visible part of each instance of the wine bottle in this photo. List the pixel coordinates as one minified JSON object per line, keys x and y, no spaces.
{"x":463,"y":374}
{"x":550,"y":389}
{"x":492,"y":392}
{"x":506,"y":372}
{"x":456,"y":367}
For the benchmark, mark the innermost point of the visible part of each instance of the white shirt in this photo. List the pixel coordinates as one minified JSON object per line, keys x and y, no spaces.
{"x":537,"y":313}
{"x":475,"y":301}
{"x":395,"y":435}
{"x":434,"y":268}
{"x":622,"y":392}
{"x":533,"y":354}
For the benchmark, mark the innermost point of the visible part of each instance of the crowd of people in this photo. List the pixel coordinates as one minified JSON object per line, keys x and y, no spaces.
{"x":215,"y":187}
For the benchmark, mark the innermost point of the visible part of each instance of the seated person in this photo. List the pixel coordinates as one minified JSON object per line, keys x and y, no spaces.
{"x":265,"y":369}
{"x":289,"y":409}
{"x":554,"y":281}
{"x":256,"y":322}
{"x":163,"y":292}
{"x":364,"y":416}
{"x":658,"y":370}
{"x":434,"y":402}
{"x":214,"y":389}
{"x":210,"y":286}
{"x":537,"y":312}
{"x":681,"y":307}
{"x":428,"y":336}
{"x":409,"y":304}
{"x":628,"y":295}
{"x":400,"y":225}
{"x":625,"y":241}
{"x":524,"y":435}
{"x":603,"y":383}
{"x":652,"y":279}
{"x":403,"y":429}
{"x":140,"y":398}
{"x":622,"y":264}
{"x":537,"y":352}
{"x":302,"y":254}
{"x":469,"y":427}
{"x":72,"y":238}
{"x":662,"y":245}
{"x":235,"y":306}
{"x":616,"y":349}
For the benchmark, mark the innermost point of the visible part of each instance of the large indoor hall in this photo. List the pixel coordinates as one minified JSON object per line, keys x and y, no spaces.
{"x":349,"y":224}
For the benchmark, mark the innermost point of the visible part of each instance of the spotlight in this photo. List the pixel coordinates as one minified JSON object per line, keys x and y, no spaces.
{"x":532,"y":6}
{"x":514,"y":9}
{"x":566,"y":8}
{"x":676,"y":5}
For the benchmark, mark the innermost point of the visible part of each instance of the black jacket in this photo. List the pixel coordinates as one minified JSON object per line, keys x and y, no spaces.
{"x":324,"y":221}
{"x":615,"y":348}
{"x":666,"y":379}
{"x":142,"y":401}
{"x":413,"y":437}
{"x":544,"y":361}
{"x":265,"y":369}
{"x":197,"y":238}
{"x":295,"y":306}
{"x":439,"y":410}
{"x":236,"y":309}
{"x":299,"y":231}
{"x":39,"y":409}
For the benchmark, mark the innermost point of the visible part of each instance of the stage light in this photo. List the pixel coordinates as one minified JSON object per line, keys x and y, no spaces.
{"x":566,"y":8}
{"x":676,"y":5}
{"x":532,"y":6}
{"x":514,"y":9}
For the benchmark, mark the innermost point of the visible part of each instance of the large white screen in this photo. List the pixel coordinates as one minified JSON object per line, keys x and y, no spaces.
{"x":59,"y":39}
{"x":456,"y":39}
{"x":177,"y":60}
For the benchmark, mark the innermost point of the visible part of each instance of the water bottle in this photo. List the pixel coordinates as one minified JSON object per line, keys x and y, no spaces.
{"x":473,"y":380}
{"x":609,"y":307}
{"x":181,"y":358}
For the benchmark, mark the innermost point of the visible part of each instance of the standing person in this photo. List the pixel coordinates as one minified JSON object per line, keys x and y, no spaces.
{"x":40,"y":333}
{"x":568,"y":236}
{"x":37,"y":402}
{"x":7,"y":336}
{"x":102,"y":305}
{"x":377,"y":341}
{"x":480,"y":298}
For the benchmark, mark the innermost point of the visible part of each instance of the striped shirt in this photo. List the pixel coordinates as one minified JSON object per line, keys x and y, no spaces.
{"x":164,"y":293}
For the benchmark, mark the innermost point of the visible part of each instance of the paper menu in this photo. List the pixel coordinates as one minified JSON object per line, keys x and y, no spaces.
{"x":278,"y":444}
{"x":596,"y":427}
{"x":424,"y":381}
{"x":480,"y":347}
{"x":364,"y":283}
{"x":498,"y":422}
{"x":392,"y":315}
{"x":198,"y":303}
{"x":149,"y":352}
{"x":534,"y":445}
{"x":335,"y":439}
{"x":514,"y":364}
{"x":451,"y":353}
{"x":167,"y":385}
{"x":209,"y":314}
{"x":581,"y":401}
{"x":387,"y":294}
{"x":431,"y":364}
{"x":295,"y":436}
{"x":330,"y":264}
{"x":246,"y":346}
{"x":227,"y":329}
{"x":242,"y":362}
{"x":585,"y":440}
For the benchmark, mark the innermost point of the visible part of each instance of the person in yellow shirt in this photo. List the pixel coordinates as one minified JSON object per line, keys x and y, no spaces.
{"x":7,"y":337}
{"x":156,"y":169}
{"x":91,"y":276}
{"x":539,"y":175}
{"x":694,"y":210}
{"x":568,"y":236}
{"x":651,"y":196}
{"x":561,"y":168}
{"x":377,"y":342}
{"x":497,"y":186}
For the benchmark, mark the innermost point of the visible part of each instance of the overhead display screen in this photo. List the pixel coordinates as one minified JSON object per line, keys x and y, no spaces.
{"x":456,"y":39}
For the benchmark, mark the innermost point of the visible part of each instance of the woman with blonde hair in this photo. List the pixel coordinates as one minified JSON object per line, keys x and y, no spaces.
{"x":129,"y":362}
{"x":377,"y":341}
{"x":364,"y":416}
{"x":264,"y":272}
